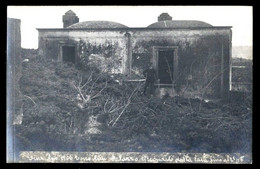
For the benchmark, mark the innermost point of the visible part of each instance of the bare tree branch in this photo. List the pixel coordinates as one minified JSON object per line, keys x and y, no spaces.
{"x":126,"y":105}
{"x":30,"y":99}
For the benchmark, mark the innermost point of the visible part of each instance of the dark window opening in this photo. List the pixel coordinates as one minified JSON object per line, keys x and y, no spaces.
{"x":68,"y":54}
{"x":165,"y":67}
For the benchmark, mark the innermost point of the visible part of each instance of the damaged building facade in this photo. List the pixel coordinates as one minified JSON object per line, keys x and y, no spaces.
{"x":186,"y":54}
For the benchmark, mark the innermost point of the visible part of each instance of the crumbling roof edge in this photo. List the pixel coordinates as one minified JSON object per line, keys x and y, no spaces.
{"x":19,"y":20}
{"x":133,"y":28}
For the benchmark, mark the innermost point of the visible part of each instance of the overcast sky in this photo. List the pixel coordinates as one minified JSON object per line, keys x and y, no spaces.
{"x":32,"y":17}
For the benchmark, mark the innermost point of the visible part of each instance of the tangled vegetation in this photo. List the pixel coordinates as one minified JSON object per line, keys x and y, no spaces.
{"x":62,"y":108}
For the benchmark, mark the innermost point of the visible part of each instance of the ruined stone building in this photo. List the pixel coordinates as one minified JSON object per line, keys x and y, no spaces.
{"x":187,"y":54}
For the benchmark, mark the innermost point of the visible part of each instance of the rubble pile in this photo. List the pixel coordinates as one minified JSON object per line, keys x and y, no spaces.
{"x":67,"y":109}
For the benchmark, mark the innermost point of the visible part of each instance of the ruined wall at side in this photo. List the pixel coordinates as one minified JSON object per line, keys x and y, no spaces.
{"x":200,"y":53}
{"x":13,"y":57}
{"x":13,"y":89}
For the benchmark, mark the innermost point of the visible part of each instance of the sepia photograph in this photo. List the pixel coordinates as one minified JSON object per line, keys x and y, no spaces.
{"x":129,"y":84}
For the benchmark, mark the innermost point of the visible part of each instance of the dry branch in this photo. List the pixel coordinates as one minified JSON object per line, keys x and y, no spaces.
{"x":205,"y":88}
{"x":126,"y":105}
{"x":30,"y":99}
{"x":79,"y":88}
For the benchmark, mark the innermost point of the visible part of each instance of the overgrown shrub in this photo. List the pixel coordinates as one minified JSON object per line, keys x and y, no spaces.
{"x":57,"y":100}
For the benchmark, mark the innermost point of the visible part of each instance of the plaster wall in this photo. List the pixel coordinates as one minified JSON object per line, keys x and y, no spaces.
{"x":203,"y":55}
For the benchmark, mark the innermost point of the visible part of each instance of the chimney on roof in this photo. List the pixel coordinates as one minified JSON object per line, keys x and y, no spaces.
{"x":69,"y":18}
{"x":164,"y":17}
